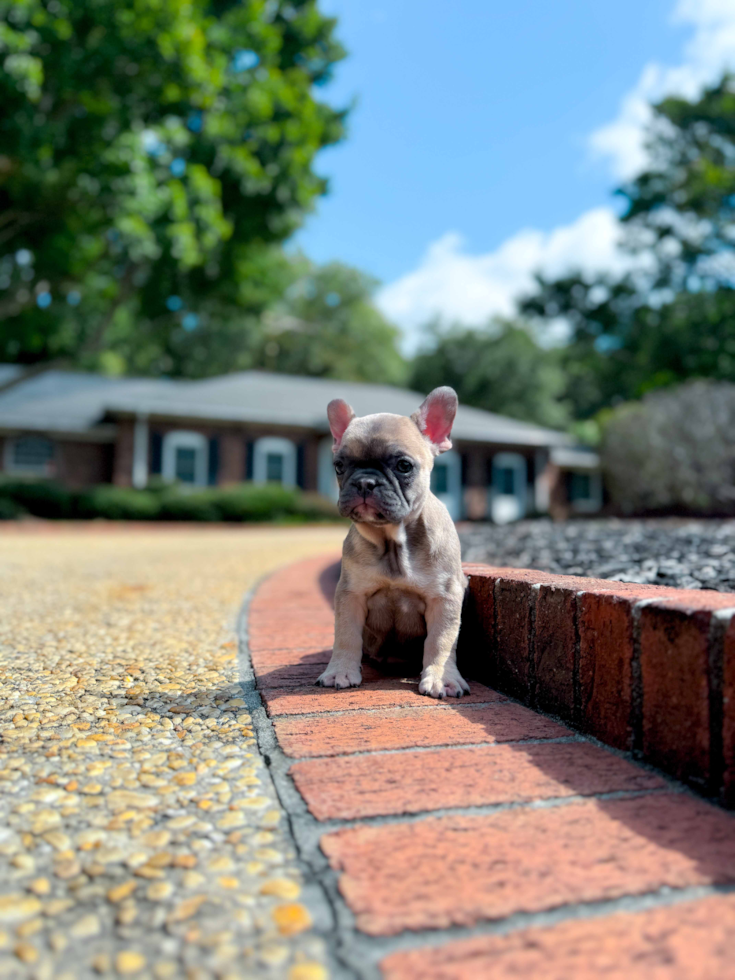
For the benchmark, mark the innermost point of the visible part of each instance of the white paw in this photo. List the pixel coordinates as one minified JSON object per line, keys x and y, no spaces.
{"x":340,"y":677}
{"x":447,"y":683}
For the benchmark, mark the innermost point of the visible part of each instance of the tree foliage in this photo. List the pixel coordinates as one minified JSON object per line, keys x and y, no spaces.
{"x":674,"y":317}
{"x":621,"y":347}
{"x":500,"y":368}
{"x":327,"y":326}
{"x":151,"y":157}
{"x":683,"y":205}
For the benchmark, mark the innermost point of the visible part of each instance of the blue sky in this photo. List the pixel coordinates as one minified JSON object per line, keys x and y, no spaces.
{"x":480,"y":123}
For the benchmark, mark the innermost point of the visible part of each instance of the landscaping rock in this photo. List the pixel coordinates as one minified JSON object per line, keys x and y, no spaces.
{"x":686,"y":554}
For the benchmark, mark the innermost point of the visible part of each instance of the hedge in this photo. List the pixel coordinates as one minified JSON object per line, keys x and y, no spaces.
{"x":163,"y":502}
{"x":673,"y":451}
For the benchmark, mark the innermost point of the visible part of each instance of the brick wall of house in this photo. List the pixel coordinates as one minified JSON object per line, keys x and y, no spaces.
{"x":82,"y":464}
{"x":232,"y":449}
{"x":122,"y":469}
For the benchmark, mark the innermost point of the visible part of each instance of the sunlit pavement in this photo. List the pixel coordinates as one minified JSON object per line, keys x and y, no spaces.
{"x":140,"y":834}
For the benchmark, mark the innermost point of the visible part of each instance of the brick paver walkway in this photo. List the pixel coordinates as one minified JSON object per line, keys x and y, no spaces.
{"x":479,"y":838}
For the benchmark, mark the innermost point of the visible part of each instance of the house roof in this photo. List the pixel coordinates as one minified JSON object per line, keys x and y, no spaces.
{"x":75,"y":402}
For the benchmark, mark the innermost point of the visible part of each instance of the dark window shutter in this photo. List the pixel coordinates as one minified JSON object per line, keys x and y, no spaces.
{"x":213,"y":461}
{"x":465,"y":464}
{"x":249,"y":451}
{"x":156,"y":453}
{"x":300,"y":456}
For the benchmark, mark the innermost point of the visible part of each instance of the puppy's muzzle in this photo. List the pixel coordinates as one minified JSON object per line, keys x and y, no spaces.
{"x":362,"y":499}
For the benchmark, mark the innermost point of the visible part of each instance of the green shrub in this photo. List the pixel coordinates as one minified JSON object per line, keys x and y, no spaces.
{"x":9,"y":510}
{"x":256,"y":502}
{"x":673,"y":451}
{"x":42,"y":498}
{"x":245,"y":502}
{"x":187,"y":505}
{"x":118,"y":504}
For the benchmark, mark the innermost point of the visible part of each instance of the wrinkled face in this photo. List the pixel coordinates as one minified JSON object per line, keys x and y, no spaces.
{"x":383,"y":467}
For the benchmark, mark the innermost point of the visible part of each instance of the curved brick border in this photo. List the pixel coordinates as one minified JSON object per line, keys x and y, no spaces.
{"x":642,"y":668}
{"x":480,"y":837}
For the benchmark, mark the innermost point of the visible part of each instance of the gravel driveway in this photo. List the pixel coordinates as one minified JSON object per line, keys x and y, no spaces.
{"x":689,"y":554}
{"x":140,"y":834}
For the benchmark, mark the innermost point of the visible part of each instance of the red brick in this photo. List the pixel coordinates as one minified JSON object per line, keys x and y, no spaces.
{"x":554,"y":643}
{"x":291,"y":618}
{"x":272,"y":639}
{"x":513,"y":612}
{"x":388,"y":692}
{"x":687,"y":941}
{"x":476,"y":646}
{"x":440,"y":723}
{"x":605,"y":667}
{"x":299,"y":676}
{"x":692,"y":598}
{"x":675,"y":681}
{"x":445,"y":871}
{"x":317,"y":654}
{"x":410,"y":782}
{"x":728,"y":714}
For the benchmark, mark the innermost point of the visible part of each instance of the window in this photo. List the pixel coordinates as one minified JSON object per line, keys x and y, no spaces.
{"x":274,"y":468}
{"x":446,"y":482}
{"x":508,"y":488}
{"x":274,"y":461}
{"x":580,"y":486}
{"x":440,"y":478}
{"x":584,"y":488}
{"x":32,"y":455}
{"x":505,"y":480}
{"x":185,"y":465}
{"x":185,"y":458}
{"x":327,"y":478}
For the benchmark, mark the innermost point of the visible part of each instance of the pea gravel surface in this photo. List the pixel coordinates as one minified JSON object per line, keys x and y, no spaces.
{"x":140,"y":835}
{"x":685,"y":554}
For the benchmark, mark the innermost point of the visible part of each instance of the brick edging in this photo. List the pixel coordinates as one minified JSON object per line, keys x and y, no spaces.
{"x":643,"y":668}
{"x":448,"y":840}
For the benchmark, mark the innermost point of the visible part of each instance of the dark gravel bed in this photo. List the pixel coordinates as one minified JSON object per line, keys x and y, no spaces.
{"x":690,"y":554}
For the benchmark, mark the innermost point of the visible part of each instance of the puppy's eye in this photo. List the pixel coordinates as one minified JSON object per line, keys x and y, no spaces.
{"x":404,"y":465}
{"x":339,"y":467}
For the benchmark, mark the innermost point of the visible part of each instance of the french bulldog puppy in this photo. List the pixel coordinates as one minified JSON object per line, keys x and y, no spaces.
{"x":402,"y":578}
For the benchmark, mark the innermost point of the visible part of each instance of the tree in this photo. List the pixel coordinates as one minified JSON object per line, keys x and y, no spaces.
{"x":674,"y":318}
{"x":500,"y":368}
{"x":621,"y":347}
{"x":683,"y":205}
{"x":327,"y":326}
{"x":152,"y":155}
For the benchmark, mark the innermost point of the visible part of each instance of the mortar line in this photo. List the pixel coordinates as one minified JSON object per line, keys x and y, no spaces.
{"x":484,"y":809}
{"x":429,"y":705}
{"x":433,"y":748}
{"x":375,"y":948}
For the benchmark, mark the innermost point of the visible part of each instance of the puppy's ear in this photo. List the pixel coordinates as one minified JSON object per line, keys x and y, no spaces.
{"x":340,"y":415}
{"x":435,"y":418}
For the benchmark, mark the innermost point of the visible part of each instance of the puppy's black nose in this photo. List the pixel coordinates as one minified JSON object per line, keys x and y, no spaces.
{"x":366,"y":484}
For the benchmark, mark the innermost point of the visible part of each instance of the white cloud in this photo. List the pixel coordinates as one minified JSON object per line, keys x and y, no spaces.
{"x":452,"y":284}
{"x":709,"y":52}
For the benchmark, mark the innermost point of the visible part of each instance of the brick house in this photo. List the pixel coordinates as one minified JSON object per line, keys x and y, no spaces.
{"x":83,"y":429}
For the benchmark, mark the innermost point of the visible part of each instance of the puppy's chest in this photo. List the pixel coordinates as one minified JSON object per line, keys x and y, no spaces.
{"x":401,"y":568}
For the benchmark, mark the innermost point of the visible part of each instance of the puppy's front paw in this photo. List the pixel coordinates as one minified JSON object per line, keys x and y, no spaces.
{"x":339,"y":676}
{"x":447,"y":683}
